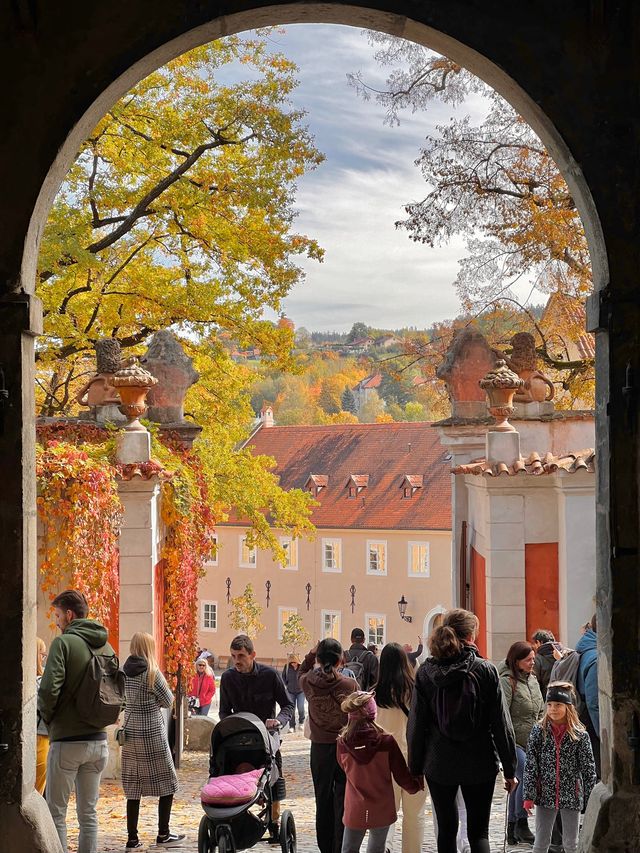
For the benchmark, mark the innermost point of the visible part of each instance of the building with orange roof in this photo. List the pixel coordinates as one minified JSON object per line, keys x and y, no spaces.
{"x":383,"y":524}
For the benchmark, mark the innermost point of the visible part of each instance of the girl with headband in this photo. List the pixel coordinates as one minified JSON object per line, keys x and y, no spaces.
{"x":371,"y":759}
{"x":559,"y":772}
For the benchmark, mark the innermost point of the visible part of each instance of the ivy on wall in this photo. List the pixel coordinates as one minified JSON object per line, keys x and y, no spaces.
{"x":81,"y":512}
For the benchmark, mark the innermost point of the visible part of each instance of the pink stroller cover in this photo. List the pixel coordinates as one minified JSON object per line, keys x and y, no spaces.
{"x":231,"y":790}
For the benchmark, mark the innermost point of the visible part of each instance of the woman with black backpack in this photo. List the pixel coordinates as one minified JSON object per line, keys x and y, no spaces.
{"x":457,"y":729}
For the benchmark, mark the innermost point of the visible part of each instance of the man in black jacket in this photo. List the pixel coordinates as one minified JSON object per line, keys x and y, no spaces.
{"x":362,"y":662}
{"x":544,"y":645}
{"x":256,"y":688}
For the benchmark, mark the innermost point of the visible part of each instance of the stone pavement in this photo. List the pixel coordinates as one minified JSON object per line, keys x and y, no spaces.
{"x":187,"y":810}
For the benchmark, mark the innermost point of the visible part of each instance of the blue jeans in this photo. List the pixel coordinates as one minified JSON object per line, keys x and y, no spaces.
{"x":76,"y":764}
{"x":298,"y":703}
{"x":516,"y":809}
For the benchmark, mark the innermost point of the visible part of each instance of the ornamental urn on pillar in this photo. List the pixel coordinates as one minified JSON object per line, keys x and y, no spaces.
{"x":500,"y":384}
{"x":132,"y":383}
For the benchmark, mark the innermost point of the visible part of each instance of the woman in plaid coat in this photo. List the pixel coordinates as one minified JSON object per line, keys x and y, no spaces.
{"x":147,"y":766}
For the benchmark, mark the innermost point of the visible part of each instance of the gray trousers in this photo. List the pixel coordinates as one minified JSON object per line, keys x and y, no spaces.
{"x":545,"y":818}
{"x":352,"y":839}
{"x":76,"y":765}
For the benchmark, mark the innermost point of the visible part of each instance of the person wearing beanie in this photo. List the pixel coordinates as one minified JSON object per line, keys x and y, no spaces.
{"x":559,"y":772}
{"x":371,"y":760}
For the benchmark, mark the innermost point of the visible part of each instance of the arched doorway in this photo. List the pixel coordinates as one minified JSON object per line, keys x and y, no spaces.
{"x":572,"y":102}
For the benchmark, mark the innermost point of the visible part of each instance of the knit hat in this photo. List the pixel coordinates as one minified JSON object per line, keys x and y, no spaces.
{"x":556,"y":693}
{"x":365,"y":705}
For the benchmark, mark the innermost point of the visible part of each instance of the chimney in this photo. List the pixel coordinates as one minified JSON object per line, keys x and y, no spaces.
{"x":266,"y":415}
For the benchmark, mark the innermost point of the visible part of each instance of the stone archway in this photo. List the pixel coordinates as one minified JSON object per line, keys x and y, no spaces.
{"x":568,"y":70}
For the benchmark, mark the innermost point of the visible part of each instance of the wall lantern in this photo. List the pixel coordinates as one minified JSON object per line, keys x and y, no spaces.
{"x":402,"y":607}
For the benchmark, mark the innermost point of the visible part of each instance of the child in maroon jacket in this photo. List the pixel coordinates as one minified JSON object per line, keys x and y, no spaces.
{"x":370,"y":757}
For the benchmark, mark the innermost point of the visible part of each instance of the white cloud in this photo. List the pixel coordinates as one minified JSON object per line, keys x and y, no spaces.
{"x":372,"y":272}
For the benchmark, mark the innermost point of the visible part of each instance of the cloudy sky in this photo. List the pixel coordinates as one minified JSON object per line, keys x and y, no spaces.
{"x":371,"y":272}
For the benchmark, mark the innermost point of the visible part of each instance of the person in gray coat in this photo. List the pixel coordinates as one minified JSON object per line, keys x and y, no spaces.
{"x":147,"y":766}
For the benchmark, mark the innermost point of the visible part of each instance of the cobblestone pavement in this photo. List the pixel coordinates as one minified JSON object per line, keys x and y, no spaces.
{"x":187,"y":810}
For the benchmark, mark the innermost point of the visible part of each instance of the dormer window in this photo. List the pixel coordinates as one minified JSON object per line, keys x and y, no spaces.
{"x":316,"y":483}
{"x":410,"y":485}
{"x":356,"y":484}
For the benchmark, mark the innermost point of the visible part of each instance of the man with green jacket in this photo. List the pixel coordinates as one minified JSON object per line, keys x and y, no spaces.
{"x":78,"y":748}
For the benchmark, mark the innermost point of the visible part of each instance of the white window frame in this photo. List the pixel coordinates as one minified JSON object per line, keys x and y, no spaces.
{"x":418,"y":543}
{"x":281,"y":621}
{"x":284,"y":540}
{"x":242,"y":564}
{"x":371,"y":571}
{"x":368,"y":640}
{"x":213,"y":557}
{"x":203,"y":627}
{"x":335,"y":613}
{"x":331,"y":541}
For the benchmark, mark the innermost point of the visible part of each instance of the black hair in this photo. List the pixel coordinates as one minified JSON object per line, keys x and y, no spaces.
{"x":543,"y":636}
{"x":328,"y":654}
{"x":395,"y":678}
{"x":242,"y":642}
{"x":357,"y":634}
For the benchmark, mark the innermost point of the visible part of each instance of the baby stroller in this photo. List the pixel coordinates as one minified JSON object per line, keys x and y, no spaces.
{"x":237,"y":802}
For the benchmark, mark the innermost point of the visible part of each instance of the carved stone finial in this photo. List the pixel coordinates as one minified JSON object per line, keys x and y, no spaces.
{"x":167,"y":361}
{"x":523,"y":359}
{"x":133,"y":383}
{"x":500,"y":384}
{"x":108,"y":355}
{"x":466,"y":361}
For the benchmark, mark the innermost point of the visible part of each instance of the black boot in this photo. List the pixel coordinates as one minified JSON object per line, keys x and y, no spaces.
{"x":511,"y":834}
{"x":522,"y":831}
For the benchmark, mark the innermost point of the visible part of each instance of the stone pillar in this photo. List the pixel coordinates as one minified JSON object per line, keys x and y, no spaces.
{"x":505,"y":566}
{"x":612,"y":821}
{"x":576,"y":550}
{"x":465,"y":443}
{"x":139,"y":554}
{"x":24,"y":816}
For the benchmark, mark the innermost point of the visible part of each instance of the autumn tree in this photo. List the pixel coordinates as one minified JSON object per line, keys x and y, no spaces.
{"x":493,"y":183}
{"x":294,"y":634}
{"x":246,"y":613}
{"x":178,"y":212}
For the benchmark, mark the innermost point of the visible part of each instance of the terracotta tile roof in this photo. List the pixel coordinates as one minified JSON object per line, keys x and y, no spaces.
{"x":318,"y":480}
{"x":372,"y":381}
{"x":360,"y":481}
{"x":578,"y":460}
{"x":413,"y":480}
{"x":385,"y":452}
{"x":570,"y":311}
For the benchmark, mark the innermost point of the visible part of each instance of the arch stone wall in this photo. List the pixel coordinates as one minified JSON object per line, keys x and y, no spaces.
{"x":571,"y":68}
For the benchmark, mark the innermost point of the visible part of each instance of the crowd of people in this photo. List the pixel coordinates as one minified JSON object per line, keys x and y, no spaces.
{"x":384,"y":733}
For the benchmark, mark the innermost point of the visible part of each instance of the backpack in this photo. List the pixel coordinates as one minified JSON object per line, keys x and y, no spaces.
{"x":457,"y":708}
{"x":566,"y":669}
{"x":356,"y":660}
{"x":100,"y":696}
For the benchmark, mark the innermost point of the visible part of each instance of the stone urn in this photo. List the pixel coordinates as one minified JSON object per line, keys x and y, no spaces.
{"x":132,"y":382}
{"x":500,"y":384}
{"x":540,"y":389}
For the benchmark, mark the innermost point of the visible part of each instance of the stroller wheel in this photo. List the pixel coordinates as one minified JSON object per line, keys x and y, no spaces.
{"x":288,"y":841}
{"x":226,"y":843}
{"x":206,"y":843}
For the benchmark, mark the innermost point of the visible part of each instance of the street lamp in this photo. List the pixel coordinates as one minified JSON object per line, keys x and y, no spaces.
{"x":402,"y":607}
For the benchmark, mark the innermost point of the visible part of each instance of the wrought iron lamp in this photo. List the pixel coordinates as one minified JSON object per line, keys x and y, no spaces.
{"x":402,"y":607}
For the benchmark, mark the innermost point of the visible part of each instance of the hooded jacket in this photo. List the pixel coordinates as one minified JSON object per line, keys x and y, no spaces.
{"x":325,"y":693}
{"x":370,"y":761}
{"x":524,"y":701}
{"x":588,"y":675}
{"x":67,"y":662}
{"x":544,"y":664}
{"x":560,"y":772}
{"x":473,"y":756}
